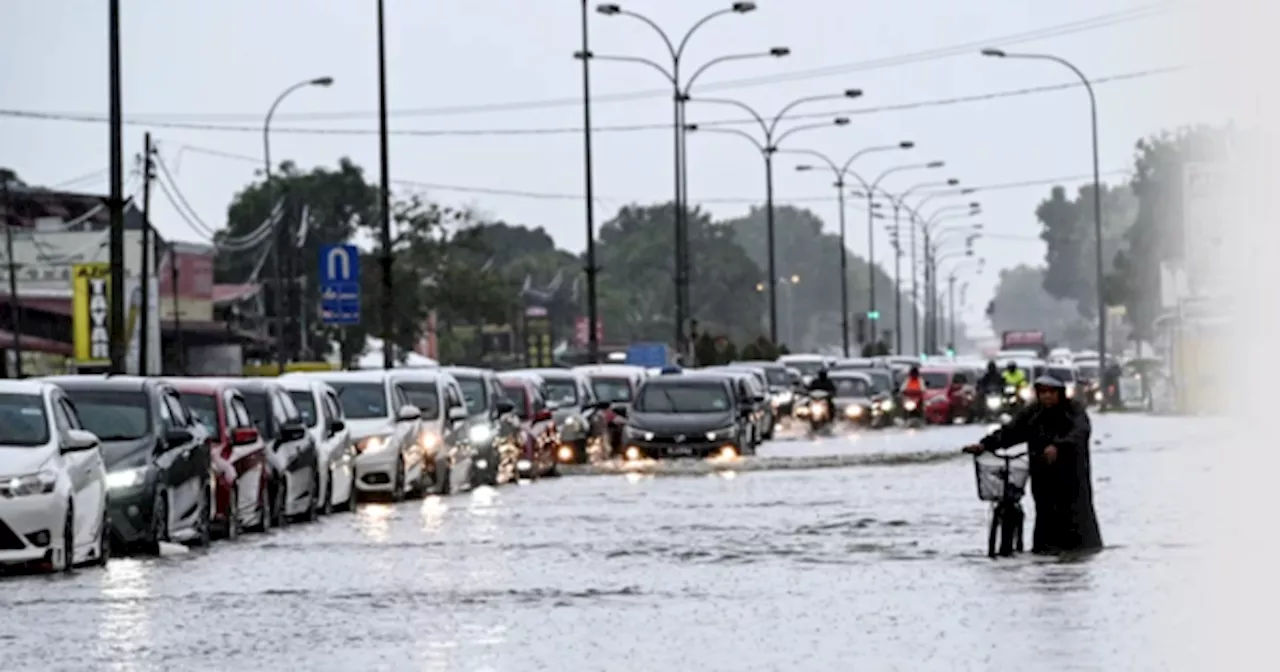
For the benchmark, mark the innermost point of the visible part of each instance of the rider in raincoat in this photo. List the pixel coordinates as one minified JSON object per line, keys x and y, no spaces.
{"x":1056,"y":430}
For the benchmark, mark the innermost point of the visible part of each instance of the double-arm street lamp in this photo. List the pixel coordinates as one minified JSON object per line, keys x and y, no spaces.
{"x":278,"y":240}
{"x":927,"y":228}
{"x":680,"y":88}
{"x":1097,"y":185}
{"x":839,"y":171}
{"x":963,"y":266}
{"x":898,"y":200}
{"x":935,"y":256}
{"x":772,"y":139}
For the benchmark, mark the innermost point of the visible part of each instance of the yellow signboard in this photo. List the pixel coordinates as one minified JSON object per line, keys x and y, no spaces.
{"x":91,"y":313}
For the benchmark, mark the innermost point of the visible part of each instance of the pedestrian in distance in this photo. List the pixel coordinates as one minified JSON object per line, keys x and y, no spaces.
{"x":1056,"y":430}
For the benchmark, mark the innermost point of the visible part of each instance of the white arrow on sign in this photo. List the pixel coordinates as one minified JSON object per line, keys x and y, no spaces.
{"x":339,"y":258}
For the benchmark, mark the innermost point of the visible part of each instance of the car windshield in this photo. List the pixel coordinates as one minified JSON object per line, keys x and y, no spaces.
{"x":520,"y":397}
{"x":1063,"y":374}
{"x":1088,"y":372}
{"x":777,"y":377}
{"x":306,"y":403}
{"x":562,"y":392}
{"x":613,"y":390}
{"x":362,"y":401}
{"x":23,"y":421}
{"x":474,"y":391}
{"x":881,"y":381}
{"x":806,"y":368}
{"x":259,"y":408}
{"x":425,"y":396}
{"x":935,"y":380}
{"x":851,"y":387}
{"x":684,"y":397}
{"x":113,"y":415}
{"x":204,"y":407}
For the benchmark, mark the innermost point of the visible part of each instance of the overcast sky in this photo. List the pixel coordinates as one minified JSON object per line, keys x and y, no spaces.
{"x":456,"y":67}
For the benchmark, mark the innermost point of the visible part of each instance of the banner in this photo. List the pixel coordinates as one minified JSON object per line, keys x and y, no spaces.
{"x":91,"y":313}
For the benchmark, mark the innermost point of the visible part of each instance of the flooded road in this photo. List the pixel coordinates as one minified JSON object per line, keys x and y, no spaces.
{"x":875,"y":566}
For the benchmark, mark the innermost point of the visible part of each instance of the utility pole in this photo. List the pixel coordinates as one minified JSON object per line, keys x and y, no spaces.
{"x":593,"y":310}
{"x":177,"y":309}
{"x":144,"y":320}
{"x":116,"y":200}
{"x":388,"y":352}
{"x":15,"y":305}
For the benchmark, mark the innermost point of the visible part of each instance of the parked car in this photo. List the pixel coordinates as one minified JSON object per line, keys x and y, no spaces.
{"x":584,"y":428}
{"x":321,"y":413}
{"x":492,"y":428}
{"x":292,"y":455}
{"x":617,"y":385}
{"x":690,"y":415}
{"x":541,"y":437}
{"x":53,"y":490}
{"x":444,"y":425}
{"x":237,"y":454}
{"x":156,"y":455}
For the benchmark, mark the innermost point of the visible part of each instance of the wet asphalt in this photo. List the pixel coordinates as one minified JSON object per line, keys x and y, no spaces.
{"x":838,"y":553}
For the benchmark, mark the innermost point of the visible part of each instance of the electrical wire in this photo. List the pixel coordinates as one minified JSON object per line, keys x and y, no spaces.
{"x":566,"y":130}
{"x":968,"y":48}
{"x":171,"y":192}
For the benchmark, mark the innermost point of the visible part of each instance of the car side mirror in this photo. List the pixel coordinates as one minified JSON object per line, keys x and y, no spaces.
{"x":178,"y":436}
{"x":505,"y":407}
{"x":78,"y":440}
{"x":542,"y":416}
{"x":243,"y":436}
{"x":408,"y":412}
{"x":336,"y":426}
{"x":457,"y":414}
{"x":292,"y":431}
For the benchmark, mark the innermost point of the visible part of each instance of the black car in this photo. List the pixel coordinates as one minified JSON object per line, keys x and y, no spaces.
{"x":688,"y":415}
{"x":492,"y":427}
{"x":291,"y":452}
{"x":753,"y":404}
{"x":156,"y":455}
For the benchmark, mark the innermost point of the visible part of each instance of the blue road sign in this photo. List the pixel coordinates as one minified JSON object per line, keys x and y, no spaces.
{"x":340,"y":284}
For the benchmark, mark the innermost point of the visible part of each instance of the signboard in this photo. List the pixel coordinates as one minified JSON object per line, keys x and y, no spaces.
{"x":580,"y":334}
{"x":340,"y":284}
{"x":1022,"y":338}
{"x":91,"y":313}
{"x":651,"y":355}
{"x":537,"y":337}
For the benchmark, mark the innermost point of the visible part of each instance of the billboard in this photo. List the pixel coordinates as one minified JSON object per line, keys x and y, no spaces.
{"x":91,"y":313}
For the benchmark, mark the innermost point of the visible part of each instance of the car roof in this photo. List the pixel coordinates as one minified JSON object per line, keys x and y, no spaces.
{"x":467,"y":371}
{"x":28,"y":386}
{"x":550,"y":372}
{"x":197,"y":385}
{"x":783,"y":359}
{"x":302,"y":384}
{"x":762,"y":363}
{"x":631,"y":369}
{"x":95,"y":382}
{"x":357,"y":376}
{"x":696,"y":376}
{"x":251,"y":384}
{"x":849,"y":373}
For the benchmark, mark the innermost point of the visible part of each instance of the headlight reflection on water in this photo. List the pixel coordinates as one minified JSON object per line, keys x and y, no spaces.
{"x":374,"y":521}
{"x":125,"y":628}
{"x":434,"y":509}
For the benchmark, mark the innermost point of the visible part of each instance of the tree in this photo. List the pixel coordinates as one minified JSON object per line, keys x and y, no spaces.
{"x":10,"y":177}
{"x":1068,"y":231}
{"x":1021,"y":303}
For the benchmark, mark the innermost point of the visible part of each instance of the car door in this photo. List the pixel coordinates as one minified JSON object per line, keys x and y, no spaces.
{"x":188,"y":473}
{"x":596,"y":420}
{"x":405,"y":433}
{"x":250,"y":460}
{"x":340,"y":446}
{"x":85,"y":469}
{"x":296,"y":454}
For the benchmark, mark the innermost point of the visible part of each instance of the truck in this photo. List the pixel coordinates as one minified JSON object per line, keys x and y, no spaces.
{"x":1025,"y":340}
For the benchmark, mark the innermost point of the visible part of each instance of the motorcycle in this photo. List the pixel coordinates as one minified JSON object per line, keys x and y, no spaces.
{"x":883,"y":410}
{"x":819,"y":411}
{"x":913,"y":411}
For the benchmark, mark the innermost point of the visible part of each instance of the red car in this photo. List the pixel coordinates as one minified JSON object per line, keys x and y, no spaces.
{"x":948,"y":394}
{"x":239,"y":455}
{"x":541,"y":438}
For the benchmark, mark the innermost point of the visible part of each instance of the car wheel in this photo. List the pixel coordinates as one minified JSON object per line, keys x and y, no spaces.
{"x":204,"y":521}
{"x":104,"y":542}
{"x":159,"y":524}
{"x":350,"y":504}
{"x":68,"y":540}
{"x":233,"y":514}
{"x":264,"y":509}
{"x":280,"y":503}
{"x":398,"y":483}
{"x":326,"y":497}
{"x":313,"y":508}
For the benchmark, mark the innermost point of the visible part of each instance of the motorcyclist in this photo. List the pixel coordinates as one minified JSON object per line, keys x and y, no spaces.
{"x":1056,"y":430}
{"x":822,"y":383}
{"x":913,"y":388}
{"x":991,"y":382}
{"x":1014,"y":376}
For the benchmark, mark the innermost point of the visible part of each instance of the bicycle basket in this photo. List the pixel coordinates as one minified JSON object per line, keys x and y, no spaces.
{"x":991,"y":470}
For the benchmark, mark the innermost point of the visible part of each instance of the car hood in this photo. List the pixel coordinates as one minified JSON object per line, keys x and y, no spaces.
{"x":128,"y":454}
{"x":676,"y":424}
{"x":930,"y":394}
{"x":853,"y":400}
{"x":363,"y":429}
{"x":23,"y":460}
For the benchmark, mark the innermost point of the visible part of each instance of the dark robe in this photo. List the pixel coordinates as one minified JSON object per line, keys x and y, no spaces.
{"x":1063,"y":491}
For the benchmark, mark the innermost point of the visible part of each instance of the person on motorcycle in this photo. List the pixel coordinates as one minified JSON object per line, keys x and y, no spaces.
{"x":913,"y":388}
{"x":991,"y":382}
{"x":1056,"y":430}
{"x":823,"y":383}
{"x":1014,"y":376}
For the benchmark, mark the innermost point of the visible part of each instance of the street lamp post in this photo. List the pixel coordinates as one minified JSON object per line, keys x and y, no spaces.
{"x":278,"y":237}
{"x":917,"y":220}
{"x":839,"y":172}
{"x":593,"y":308}
{"x":897,"y":261}
{"x":679,"y":95}
{"x":933,"y":261}
{"x":1097,"y":187}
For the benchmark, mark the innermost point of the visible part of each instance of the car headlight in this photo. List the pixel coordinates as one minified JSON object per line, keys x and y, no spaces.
{"x":480,"y":433}
{"x":126,"y":478}
{"x":886,"y":405}
{"x":852,"y":412}
{"x":725,"y":434}
{"x":634,"y":433}
{"x":39,"y":483}
{"x":373,"y":444}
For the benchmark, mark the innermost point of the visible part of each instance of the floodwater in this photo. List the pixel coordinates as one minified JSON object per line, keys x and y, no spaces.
{"x":844,"y":553}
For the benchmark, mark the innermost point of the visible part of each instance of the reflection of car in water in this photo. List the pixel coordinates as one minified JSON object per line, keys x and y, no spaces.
{"x":540,"y":436}
{"x":584,"y":428}
{"x":53,"y":492}
{"x":158,"y":483}
{"x":689,"y":415}
{"x":492,"y":428}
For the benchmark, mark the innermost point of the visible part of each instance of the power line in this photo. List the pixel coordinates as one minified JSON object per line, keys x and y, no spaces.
{"x":231,"y":128}
{"x":970,"y":48}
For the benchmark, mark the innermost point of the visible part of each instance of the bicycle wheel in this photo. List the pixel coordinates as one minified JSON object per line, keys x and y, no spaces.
{"x":1022,"y":518}
{"x":1010,"y":530}
{"x":994,"y":532}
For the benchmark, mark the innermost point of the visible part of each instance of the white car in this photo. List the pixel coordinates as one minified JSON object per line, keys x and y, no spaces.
{"x":53,"y":492}
{"x":386,"y":429}
{"x":321,"y":411}
{"x":450,"y":457}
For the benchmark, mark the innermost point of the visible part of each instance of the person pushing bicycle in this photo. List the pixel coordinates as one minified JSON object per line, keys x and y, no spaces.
{"x":1056,"y":430}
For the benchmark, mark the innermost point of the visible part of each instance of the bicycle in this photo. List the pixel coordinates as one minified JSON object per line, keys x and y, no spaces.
{"x":1002,"y":479}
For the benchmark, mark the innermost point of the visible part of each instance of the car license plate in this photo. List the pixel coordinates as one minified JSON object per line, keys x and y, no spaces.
{"x":679,"y":451}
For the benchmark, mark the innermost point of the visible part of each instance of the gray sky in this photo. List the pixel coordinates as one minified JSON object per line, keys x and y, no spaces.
{"x":224,"y":62}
